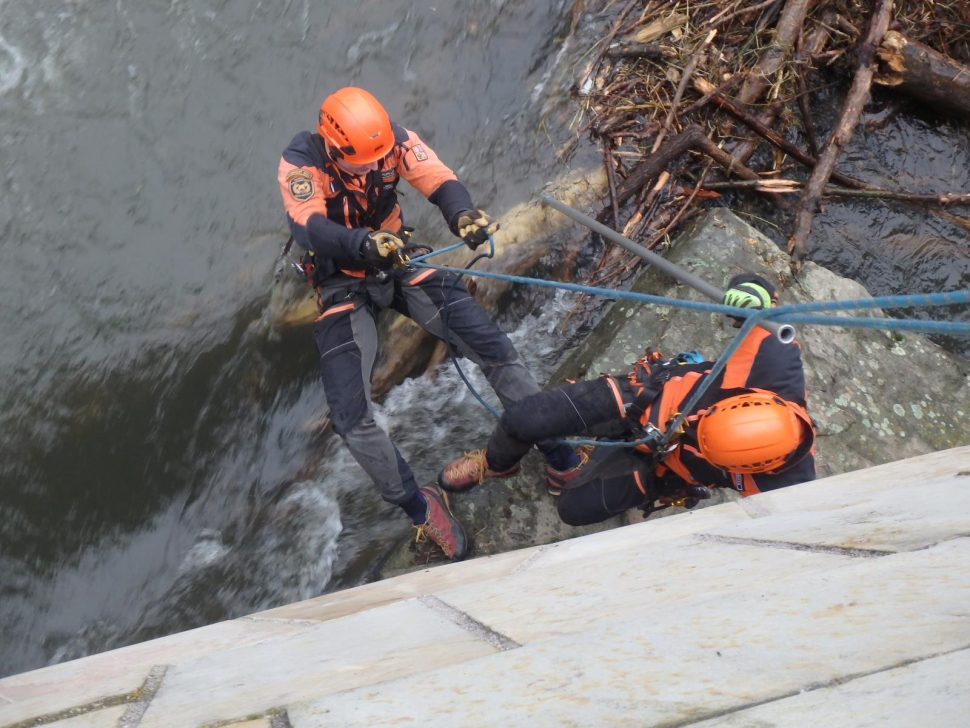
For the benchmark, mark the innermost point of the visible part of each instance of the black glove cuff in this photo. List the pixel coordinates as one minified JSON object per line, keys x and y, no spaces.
{"x":360,"y":238}
{"x":453,"y":223}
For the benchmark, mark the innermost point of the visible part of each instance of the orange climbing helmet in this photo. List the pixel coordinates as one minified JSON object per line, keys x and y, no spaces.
{"x":355,"y":126}
{"x":755,"y":432}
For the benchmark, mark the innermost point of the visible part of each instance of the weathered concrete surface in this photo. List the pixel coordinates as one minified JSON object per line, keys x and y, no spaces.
{"x":877,"y":397}
{"x":897,"y":698}
{"x":743,"y":614}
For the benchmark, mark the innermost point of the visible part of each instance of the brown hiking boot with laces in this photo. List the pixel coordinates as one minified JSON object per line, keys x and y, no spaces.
{"x":441,"y":526}
{"x":470,"y":470}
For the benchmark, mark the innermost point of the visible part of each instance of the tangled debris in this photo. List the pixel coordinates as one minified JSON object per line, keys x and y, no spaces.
{"x":680,"y":95}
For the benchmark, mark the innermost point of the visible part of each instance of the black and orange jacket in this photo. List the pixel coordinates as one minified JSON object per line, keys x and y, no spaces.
{"x":330,"y":212}
{"x":760,"y":363}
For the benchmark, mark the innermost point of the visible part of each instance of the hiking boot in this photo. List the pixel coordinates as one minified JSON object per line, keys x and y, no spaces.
{"x":441,"y":526}
{"x":470,"y":470}
{"x":559,"y":478}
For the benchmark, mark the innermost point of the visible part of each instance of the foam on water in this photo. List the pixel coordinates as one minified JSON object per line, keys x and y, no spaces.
{"x":12,"y":66}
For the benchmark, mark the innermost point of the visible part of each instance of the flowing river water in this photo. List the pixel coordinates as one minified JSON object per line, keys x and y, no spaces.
{"x":159,"y":464}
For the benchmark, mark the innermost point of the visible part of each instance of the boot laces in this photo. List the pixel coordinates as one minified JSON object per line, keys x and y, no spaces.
{"x":472,"y":463}
{"x":429,"y":532}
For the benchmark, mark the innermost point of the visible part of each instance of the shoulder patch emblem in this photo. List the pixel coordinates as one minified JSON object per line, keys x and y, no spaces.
{"x":301,"y":184}
{"x":419,"y":153}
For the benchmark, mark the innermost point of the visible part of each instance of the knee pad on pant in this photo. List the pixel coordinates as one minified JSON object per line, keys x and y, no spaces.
{"x":519,"y":422}
{"x":496,"y":351}
{"x":345,"y":418}
{"x":576,"y":508}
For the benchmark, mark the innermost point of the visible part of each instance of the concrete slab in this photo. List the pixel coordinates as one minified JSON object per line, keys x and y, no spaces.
{"x":683,"y":663}
{"x":829,"y":590}
{"x":105,"y":718}
{"x":376,"y":646}
{"x":81,"y":682}
{"x":573,"y":596}
{"x":440,"y":578}
{"x":933,"y":692}
{"x":399,"y":588}
{"x":901,"y":519}
{"x":848,"y":489}
{"x":637,"y":535}
{"x":260,"y":723}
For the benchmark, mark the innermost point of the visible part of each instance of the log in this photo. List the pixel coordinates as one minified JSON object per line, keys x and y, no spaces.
{"x":692,"y":137}
{"x":772,"y":136}
{"x":812,"y":46}
{"x":848,"y":118}
{"x":636,"y":50}
{"x":762,"y":75}
{"x":923,"y":73}
{"x":681,"y":87}
{"x":784,"y":186}
{"x":802,"y":64}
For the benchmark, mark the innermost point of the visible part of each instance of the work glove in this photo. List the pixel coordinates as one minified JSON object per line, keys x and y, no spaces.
{"x":474,"y":227}
{"x":380,"y":249}
{"x":747,"y":290}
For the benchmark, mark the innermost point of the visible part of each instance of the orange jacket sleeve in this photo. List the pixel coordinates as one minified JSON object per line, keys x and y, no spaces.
{"x":422,"y":169}
{"x":303,"y":187}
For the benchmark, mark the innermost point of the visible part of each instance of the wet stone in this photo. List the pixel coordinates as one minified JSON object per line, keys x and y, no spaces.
{"x":861,"y":421}
{"x":844,"y":402}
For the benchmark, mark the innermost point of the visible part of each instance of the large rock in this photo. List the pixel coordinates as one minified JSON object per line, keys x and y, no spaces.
{"x":876,"y":396}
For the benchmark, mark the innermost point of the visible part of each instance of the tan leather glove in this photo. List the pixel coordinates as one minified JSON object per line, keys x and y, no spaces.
{"x":474,"y":227}
{"x":378,"y":247}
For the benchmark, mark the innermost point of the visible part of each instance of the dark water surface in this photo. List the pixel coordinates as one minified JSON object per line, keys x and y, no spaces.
{"x":892,"y":247}
{"x":159,"y":464}
{"x":154,"y":438}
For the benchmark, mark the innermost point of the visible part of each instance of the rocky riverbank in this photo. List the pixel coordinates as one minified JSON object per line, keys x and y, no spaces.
{"x":876,"y":397}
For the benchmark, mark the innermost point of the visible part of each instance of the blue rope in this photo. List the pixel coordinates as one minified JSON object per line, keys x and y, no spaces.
{"x":898,"y":301}
{"x":444,"y":314}
{"x":708,"y":380}
{"x":419,"y":258}
{"x":882,"y":324}
{"x":789,"y":313}
{"x":609,"y":292}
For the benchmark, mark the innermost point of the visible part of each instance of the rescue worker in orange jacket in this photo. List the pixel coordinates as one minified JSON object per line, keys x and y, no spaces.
{"x":750,"y":430}
{"x":339,"y":190}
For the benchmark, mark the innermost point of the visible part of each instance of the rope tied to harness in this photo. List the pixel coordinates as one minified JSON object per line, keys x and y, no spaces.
{"x":799,"y":313}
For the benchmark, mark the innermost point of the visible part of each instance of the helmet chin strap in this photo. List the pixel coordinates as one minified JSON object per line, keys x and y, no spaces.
{"x":345,"y":166}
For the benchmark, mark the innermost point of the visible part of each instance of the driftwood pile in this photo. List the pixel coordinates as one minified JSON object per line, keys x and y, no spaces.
{"x":681,"y":94}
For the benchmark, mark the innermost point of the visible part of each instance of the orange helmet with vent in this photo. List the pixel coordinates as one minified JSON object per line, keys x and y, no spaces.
{"x":755,"y":432}
{"x":355,"y":125}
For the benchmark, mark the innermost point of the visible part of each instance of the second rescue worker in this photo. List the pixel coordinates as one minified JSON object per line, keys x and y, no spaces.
{"x":339,"y":191}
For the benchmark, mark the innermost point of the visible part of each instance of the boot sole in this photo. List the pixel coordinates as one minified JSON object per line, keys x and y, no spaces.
{"x":461,"y":529}
{"x":465,"y":540}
